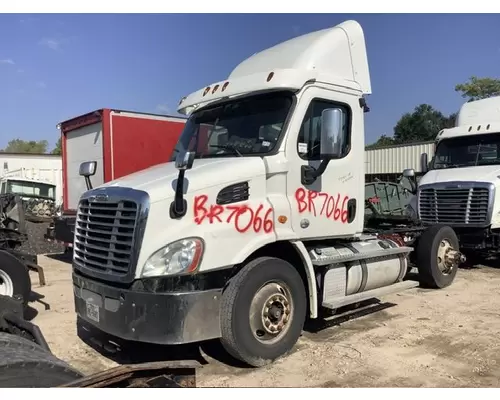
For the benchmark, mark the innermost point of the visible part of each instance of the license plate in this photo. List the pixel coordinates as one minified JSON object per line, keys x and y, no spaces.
{"x":93,"y":312}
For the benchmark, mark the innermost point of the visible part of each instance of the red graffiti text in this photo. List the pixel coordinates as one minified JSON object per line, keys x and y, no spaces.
{"x":241,"y":216}
{"x":332,"y":207}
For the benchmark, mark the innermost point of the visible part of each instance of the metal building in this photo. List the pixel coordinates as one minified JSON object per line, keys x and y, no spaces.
{"x":387,"y":163}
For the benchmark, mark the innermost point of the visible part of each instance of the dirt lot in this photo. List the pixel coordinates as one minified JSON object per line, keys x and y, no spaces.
{"x":419,"y":338}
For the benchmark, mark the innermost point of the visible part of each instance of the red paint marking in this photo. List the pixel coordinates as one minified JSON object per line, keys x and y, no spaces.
{"x":242,"y":217}
{"x":300,"y":196}
{"x":311,"y":196}
{"x":374,"y":200}
{"x":333,"y":207}
{"x":200,"y":212}
{"x":215,"y":211}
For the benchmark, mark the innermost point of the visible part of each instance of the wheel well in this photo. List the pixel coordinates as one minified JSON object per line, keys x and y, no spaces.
{"x":285,"y":251}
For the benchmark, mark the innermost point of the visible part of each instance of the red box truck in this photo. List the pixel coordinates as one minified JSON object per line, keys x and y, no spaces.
{"x":122,"y":142}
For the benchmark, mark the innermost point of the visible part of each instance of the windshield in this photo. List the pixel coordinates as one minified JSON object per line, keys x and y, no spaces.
{"x":468,"y":151}
{"x":31,"y":189}
{"x":248,"y":126}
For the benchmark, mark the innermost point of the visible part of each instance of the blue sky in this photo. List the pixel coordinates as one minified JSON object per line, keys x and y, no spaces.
{"x":54,"y":67}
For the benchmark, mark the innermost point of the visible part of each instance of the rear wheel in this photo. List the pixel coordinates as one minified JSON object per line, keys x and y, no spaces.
{"x":263,"y":311}
{"x":438,"y":256}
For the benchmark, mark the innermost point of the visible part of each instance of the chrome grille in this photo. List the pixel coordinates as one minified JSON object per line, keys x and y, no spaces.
{"x":104,"y":236}
{"x":455,"y":205}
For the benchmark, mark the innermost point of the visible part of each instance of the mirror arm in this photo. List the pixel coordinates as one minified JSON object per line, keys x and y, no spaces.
{"x":310,"y":174}
{"x":178,"y":207}
{"x":88,"y":183}
{"x":413,"y":184}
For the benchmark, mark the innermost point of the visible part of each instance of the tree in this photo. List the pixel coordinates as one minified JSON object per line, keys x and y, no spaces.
{"x":57,"y":150}
{"x":24,"y":146}
{"x":451,"y":120}
{"x":479,"y":88}
{"x":422,"y":124}
{"x":382,"y":141}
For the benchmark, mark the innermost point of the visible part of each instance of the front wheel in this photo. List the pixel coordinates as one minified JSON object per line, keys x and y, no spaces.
{"x":14,"y":277}
{"x":438,"y":256}
{"x":263,"y":311}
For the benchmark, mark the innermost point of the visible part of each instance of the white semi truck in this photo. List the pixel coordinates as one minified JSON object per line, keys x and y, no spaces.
{"x":258,"y":224}
{"x":461,"y":181}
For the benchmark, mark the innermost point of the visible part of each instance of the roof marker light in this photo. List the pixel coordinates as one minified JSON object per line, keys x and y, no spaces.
{"x":270,"y":76}
{"x":215,"y":89}
{"x":225,"y":86}
{"x":207,"y":89}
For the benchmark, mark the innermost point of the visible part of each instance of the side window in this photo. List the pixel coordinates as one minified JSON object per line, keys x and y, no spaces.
{"x":2,"y":190}
{"x":309,"y":138}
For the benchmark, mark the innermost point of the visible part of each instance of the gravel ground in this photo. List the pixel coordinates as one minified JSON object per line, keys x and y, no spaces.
{"x":418,"y":338}
{"x":36,"y":243}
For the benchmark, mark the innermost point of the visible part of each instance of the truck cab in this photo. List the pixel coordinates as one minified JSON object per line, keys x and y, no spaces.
{"x":459,"y":187}
{"x":38,"y":196}
{"x":258,"y":223}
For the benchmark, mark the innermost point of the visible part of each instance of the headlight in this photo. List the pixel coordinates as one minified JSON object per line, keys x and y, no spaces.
{"x":180,"y":257}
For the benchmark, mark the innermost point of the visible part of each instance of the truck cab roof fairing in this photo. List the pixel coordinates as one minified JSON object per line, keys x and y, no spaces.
{"x":335,"y":55}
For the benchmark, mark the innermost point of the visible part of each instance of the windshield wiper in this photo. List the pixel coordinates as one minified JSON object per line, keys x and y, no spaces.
{"x":228,"y":147}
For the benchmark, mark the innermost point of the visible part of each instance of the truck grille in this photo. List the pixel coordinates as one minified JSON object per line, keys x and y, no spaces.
{"x":104,"y":235}
{"x":461,"y":206}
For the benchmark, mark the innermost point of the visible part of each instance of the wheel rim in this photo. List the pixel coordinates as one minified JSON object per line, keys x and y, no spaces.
{"x":271,"y":312}
{"x":6,"y":284}
{"x":446,"y":257}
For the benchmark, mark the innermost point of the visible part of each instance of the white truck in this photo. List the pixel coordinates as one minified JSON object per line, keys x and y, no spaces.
{"x":33,"y":182}
{"x":460,"y":183}
{"x":258,"y":224}
{"x":38,"y":188}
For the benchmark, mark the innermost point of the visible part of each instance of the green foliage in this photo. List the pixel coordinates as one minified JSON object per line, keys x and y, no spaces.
{"x":425,"y":122}
{"x":479,"y":88}
{"x":57,"y":150}
{"x":422,"y":124}
{"x":26,"y":146}
{"x":382,"y":141}
{"x":31,"y":146}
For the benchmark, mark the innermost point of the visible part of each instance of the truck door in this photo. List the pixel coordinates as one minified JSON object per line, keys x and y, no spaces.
{"x":334,"y":204}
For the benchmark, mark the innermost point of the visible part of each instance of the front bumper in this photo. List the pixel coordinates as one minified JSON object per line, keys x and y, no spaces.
{"x":161,"y":318}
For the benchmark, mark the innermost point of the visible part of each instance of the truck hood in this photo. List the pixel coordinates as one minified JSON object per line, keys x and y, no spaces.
{"x":160,"y":180}
{"x":485,"y":173}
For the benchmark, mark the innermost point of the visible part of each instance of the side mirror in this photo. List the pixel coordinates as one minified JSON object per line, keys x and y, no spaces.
{"x":409,"y":173}
{"x":88,"y":169}
{"x":424,"y":162}
{"x":184,"y":160}
{"x":332,"y":139}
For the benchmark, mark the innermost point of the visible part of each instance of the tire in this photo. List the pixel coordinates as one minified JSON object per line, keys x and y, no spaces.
{"x":237,"y":326}
{"x":428,"y":245}
{"x":14,"y":341}
{"x":24,"y":364}
{"x":17,"y":276}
